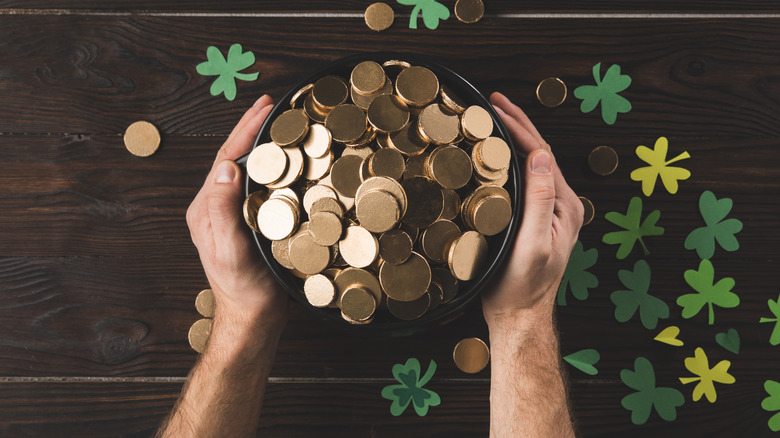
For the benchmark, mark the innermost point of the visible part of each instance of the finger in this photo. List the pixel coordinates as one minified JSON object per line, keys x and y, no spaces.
{"x":223,"y":205}
{"x":524,"y":139}
{"x":536,"y":228}
{"x":259,"y":104}
{"x":503,"y":102}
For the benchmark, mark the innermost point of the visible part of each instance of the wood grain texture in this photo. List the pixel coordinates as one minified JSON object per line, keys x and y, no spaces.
{"x":96,"y":75}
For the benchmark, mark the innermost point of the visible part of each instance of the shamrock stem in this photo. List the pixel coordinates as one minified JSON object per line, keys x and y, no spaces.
{"x":712,"y":314}
{"x":644,"y":248}
{"x":413,"y":17}
{"x":428,"y":374}
{"x":768,"y":320}
{"x":682,"y":156}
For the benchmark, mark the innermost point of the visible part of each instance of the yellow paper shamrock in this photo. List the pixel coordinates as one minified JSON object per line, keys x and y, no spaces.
{"x":658,"y":166}
{"x":700,"y":366}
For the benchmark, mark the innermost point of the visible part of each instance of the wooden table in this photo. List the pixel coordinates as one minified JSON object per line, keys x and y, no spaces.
{"x":98,"y":274}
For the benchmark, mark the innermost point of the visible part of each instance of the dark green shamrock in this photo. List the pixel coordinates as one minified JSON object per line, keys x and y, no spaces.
{"x":576,"y":276}
{"x":772,"y":404}
{"x":729,"y":340}
{"x":585,"y":361}
{"x":605,"y":91}
{"x":411,"y":388}
{"x":665,"y":400}
{"x":634,"y":232}
{"x":227,"y":70}
{"x":774,"y":307}
{"x":432,"y":12}
{"x":710,"y":293}
{"x":651,"y":309}
{"x":714,"y":211}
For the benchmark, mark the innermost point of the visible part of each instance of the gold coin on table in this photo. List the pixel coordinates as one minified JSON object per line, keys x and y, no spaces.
{"x":280,"y":249}
{"x":469,"y":11}
{"x":551,"y":92}
{"x":204,"y":303}
{"x":314,"y":111}
{"x":294,"y":170}
{"x":603,"y":160}
{"x":316,"y":168}
{"x":491,"y":215}
{"x":387,"y":114}
{"x":379,"y":16}
{"x":199,"y":334}
{"x":471,"y":355}
{"x":307,"y":256}
{"x":325,"y":228}
{"x":388,"y":185}
{"x":451,"y":101}
{"x":315,"y":193}
{"x":387,"y":162}
{"x":142,"y":139}
{"x":590,"y":210}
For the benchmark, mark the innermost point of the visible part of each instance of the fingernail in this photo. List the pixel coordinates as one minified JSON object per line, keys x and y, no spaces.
{"x":226,"y":173}
{"x":261,"y":98}
{"x":541,"y":163}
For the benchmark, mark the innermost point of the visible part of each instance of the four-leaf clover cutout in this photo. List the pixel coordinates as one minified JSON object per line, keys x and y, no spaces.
{"x":774,"y":307}
{"x":227,"y":70}
{"x":432,"y":12}
{"x":718,"y":228}
{"x":410,"y":389}
{"x":651,"y":309}
{"x":576,"y":277}
{"x":606,"y":92}
{"x":648,"y":396}
{"x":700,"y":366}
{"x":658,"y":166}
{"x":633,"y":230}
{"x":708,"y":292}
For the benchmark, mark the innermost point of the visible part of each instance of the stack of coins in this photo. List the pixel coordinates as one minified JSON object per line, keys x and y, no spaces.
{"x":378,"y":191}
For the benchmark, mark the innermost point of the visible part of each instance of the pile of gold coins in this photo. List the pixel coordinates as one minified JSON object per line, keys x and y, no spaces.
{"x":378,"y":190}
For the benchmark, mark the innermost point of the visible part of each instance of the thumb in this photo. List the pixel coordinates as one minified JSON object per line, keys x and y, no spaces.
{"x":224,"y":204}
{"x":536,"y":229}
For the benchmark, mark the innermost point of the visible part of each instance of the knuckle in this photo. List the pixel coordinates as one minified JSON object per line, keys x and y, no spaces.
{"x":219,"y":206}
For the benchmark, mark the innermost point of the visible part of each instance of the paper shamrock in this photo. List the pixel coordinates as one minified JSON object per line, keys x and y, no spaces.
{"x":658,"y":166}
{"x":648,"y":396}
{"x":729,"y":340}
{"x":576,"y":277}
{"x":651,"y":309}
{"x":411,"y":388}
{"x":772,"y":403}
{"x":605,"y":91}
{"x":710,"y":293}
{"x":774,"y":307}
{"x":584,"y":360}
{"x":227,"y":70}
{"x":432,"y":12}
{"x":700,"y":366}
{"x":714,"y":211}
{"x":633,"y":231}
{"x":669,"y":336}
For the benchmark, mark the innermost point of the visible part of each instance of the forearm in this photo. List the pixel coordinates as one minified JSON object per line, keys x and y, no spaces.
{"x":224,"y":391}
{"x":528,"y":394}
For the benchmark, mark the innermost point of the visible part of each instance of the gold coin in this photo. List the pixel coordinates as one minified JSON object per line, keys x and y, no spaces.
{"x":266,"y":163}
{"x":450,"y":166}
{"x":396,"y":63}
{"x":408,"y":140}
{"x":446,"y":281}
{"x":409,"y":310}
{"x":436,"y":296}
{"x":467,"y":255}
{"x":476,"y":123}
{"x":406,"y":281}
{"x":436,"y":239}
{"x":590,"y":211}
{"x":287,"y":193}
{"x":359,"y":247}
{"x":297,"y":100}
{"x":317,"y":141}
{"x":388,"y":113}
{"x":469,"y":11}
{"x":280,"y":249}
{"x":425,"y":201}
{"x":551,"y":92}
{"x":252,"y":204}
{"x":325,"y":228}
{"x":319,"y":290}
{"x":415,"y":166}
{"x":327,"y":204}
{"x":395,"y":246}
{"x":485,"y":176}
{"x":451,"y":101}
{"x":345,"y":175}
{"x":357,"y":303}
{"x":204,"y":303}
{"x":307,"y":256}
{"x":314,"y":111}
{"x":413,"y":232}
{"x":362,"y":152}
{"x":142,"y":139}
{"x":379,"y":16}
{"x":417,"y":86}
{"x":365,"y":101}
{"x":436,"y":126}
{"x":330,"y":92}
{"x":355,"y":322}
{"x":364,"y":140}
{"x":367,"y":78}
{"x":199,"y":334}
{"x":346,"y":123}
{"x":387,"y":162}
{"x":377,"y":211}
{"x":493,"y":153}
{"x":277,"y":218}
{"x":352,"y":276}
{"x":471,"y":355}
{"x":387,"y":184}
{"x":316,"y":192}
{"x":316,"y":168}
{"x":294,"y":168}
{"x":451,"y":204}
{"x":346,"y":201}
{"x":603,"y":160}
{"x":290,"y":127}
{"x":491,"y":215}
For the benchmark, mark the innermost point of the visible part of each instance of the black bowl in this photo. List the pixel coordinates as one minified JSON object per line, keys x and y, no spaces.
{"x":499,"y":245}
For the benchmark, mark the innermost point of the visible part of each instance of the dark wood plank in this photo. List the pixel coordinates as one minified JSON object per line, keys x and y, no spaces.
{"x":296,"y":409}
{"x":89,"y":75}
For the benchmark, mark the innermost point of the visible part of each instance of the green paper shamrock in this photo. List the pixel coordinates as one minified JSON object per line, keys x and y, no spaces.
{"x":584,"y":360}
{"x":710,"y":293}
{"x":605,"y":91}
{"x":576,"y":276}
{"x":634,"y":232}
{"x":729,"y":340}
{"x":648,"y":396}
{"x":714,"y":211}
{"x":651,"y":309}
{"x":411,"y":388}
{"x":659,"y":167}
{"x":227,"y":70}
{"x":432,"y":12}
{"x":774,"y":307}
{"x":772,"y":403}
